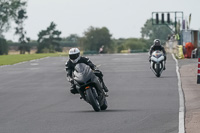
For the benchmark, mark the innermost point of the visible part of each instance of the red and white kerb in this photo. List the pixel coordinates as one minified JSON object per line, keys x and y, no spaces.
{"x":198,"y":66}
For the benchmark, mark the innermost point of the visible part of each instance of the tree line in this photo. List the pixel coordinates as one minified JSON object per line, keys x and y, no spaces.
{"x":49,"y":39}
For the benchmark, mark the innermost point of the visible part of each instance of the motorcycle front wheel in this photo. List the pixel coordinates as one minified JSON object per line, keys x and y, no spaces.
{"x":158,"y":70}
{"x":93,"y":99}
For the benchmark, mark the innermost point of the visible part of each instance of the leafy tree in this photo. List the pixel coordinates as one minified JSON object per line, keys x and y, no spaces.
{"x":118,"y":44}
{"x":73,"y":38}
{"x":49,"y":40}
{"x":94,"y":38}
{"x":9,"y":11}
{"x":133,"y":44}
{"x":152,"y":32}
{"x":21,"y":32}
{"x":3,"y":47}
{"x":71,"y":41}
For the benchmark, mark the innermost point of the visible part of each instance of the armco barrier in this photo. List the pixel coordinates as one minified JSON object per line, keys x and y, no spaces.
{"x":90,"y":52}
{"x":134,"y":51}
{"x":138,"y":51}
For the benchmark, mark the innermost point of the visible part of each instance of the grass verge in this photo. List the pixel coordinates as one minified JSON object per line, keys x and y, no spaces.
{"x":13,"y":59}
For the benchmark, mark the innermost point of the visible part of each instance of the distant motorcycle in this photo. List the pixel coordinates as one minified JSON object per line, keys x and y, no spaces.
{"x":157,"y":62}
{"x":90,"y":87}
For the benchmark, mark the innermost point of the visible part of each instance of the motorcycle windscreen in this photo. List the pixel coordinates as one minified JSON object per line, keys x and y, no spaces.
{"x":157,"y":53}
{"x":157,"y":56}
{"x":82,"y":73}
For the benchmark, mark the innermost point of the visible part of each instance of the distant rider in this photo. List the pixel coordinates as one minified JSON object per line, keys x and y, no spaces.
{"x":157,"y":46}
{"x":75,"y":58}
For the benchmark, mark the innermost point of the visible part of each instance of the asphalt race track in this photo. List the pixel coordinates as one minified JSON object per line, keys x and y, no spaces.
{"x":35,"y":98}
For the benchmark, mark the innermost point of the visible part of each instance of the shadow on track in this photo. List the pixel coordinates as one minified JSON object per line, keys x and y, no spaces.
{"x":164,"y":76}
{"x":106,"y":111}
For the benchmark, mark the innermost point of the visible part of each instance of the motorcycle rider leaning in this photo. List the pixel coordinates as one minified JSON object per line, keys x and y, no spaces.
{"x":157,"y":46}
{"x":75,"y":58}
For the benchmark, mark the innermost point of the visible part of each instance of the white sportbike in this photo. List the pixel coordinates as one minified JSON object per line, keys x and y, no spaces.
{"x":157,"y":62}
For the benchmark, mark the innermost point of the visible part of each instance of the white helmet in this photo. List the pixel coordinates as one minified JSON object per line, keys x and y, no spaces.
{"x":74,"y":55}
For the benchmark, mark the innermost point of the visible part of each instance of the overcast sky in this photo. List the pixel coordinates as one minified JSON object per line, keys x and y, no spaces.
{"x":123,"y":18}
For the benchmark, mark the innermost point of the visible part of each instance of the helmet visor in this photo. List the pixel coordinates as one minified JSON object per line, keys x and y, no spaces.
{"x":157,"y":43}
{"x":74,"y":56}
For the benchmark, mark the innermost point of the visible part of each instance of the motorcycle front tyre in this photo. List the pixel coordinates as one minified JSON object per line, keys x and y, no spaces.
{"x":158,"y":70}
{"x":93,"y":100}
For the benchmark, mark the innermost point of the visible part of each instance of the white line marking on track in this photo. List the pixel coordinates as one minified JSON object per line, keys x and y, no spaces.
{"x":34,"y":64}
{"x":181,"y":101}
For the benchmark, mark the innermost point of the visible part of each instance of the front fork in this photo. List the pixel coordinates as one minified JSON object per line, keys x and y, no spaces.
{"x":153,"y":64}
{"x":82,"y":92}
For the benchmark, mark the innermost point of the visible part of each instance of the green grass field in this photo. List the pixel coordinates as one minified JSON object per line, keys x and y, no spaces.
{"x":13,"y":59}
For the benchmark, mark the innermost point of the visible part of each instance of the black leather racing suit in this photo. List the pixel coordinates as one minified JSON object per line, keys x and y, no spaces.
{"x":70,"y":68}
{"x":154,"y":48}
{"x":160,"y":48}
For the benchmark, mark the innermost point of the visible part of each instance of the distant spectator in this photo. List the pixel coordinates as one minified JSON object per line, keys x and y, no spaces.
{"x":101,"y":49}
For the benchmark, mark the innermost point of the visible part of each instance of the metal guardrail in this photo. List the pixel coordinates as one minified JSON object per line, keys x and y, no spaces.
{"x":90,"y":52}
{"x":138,"y":51}
{"x":123,"y":51}
{"x":134,"y":51}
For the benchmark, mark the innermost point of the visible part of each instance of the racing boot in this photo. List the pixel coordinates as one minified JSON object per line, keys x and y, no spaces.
{"x":164,"y":68}
{"x":100,"y":75}
{"x":104,"y":87}
{"x":73,"y":90}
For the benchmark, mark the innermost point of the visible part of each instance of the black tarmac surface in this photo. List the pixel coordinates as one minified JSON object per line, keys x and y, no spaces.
{"x":35,"y":98}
